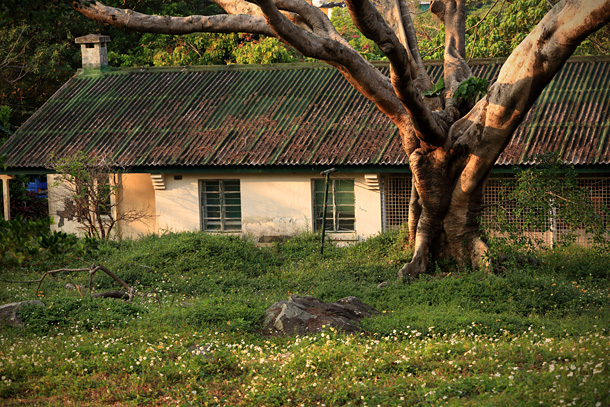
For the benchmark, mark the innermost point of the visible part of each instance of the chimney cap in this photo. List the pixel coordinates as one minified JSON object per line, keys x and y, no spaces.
{"x":92,"y":39}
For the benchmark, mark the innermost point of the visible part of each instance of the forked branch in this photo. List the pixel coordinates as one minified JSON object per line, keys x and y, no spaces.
{"x":456,"y":70}
{"x":92,"y":270}
{"x":404,"y":70}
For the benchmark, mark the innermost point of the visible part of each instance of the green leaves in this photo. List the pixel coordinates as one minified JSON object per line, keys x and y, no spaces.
{"x":19,"y":237}
{"x":267,"y":50}
{"x":496,"y":33}
{"x":472,"y":87}
{"x":5,"y":114}
{"x":23,"y":242}
{"x":342,"y":21}
{"x":437,"y":90}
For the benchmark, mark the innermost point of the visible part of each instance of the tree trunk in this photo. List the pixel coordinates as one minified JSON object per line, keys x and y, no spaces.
{"x":443,"y":216}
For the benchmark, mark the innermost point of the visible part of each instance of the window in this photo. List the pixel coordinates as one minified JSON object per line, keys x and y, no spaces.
{"x":340,"y":206}
{"x":220,"y":205}
{"x":396,"y":196}
{"x":103,"y":193}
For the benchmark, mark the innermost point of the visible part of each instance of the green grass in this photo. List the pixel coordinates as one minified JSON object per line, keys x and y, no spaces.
{"x":533,"y":335}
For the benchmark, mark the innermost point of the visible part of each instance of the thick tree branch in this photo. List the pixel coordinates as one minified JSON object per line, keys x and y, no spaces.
{"x":453,"y":14}
{"x":403,"y":70}
{"x":526,"y":72}
{"x":309,"y":32}
{"x":92,"y":270}
{"x":361,"y":74}
{"x":312,"y":16}
{"x":422,"y":80}
{"x":534,"y":63}
{"x":133,"y":20}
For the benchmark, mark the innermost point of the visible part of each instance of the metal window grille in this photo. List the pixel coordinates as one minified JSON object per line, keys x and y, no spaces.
{"x":495,"y":195}
{"x":340,"y":205}
{"x":397,"y":192}
{"x":599,"y":190}
{"x":220,"y":205}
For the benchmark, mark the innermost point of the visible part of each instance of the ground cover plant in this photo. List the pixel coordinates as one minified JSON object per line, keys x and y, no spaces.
{"x":535,"y":334}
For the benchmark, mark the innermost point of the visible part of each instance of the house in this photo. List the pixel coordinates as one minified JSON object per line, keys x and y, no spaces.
{"x":242,"y":148}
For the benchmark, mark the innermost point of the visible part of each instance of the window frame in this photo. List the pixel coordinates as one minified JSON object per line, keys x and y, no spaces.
{"x":222,"y":223}
{"x":334,"y":213}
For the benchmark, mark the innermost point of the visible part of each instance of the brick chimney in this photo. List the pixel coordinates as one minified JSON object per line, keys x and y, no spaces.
{"x":93,"y":50}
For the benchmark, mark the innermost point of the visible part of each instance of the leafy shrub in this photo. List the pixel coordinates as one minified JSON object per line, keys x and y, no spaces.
{"x":392,"y":245}
{"x":24,"y":242}
{"x":301,"y":247}
{"x":19,"y":239}
{"x":575,"y":262}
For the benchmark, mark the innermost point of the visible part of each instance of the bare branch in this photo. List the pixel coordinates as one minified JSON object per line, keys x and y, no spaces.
{"x":92,"y":270}
{"x":476,"y":26}
{"x":115,"y":278}
{"x":367,"y":79}
{"x":51,"y":272}
{"x":95,"y":193}
{"x":10,"y":61}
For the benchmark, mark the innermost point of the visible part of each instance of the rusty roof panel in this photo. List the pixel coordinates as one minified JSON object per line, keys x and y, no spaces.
{"x":297,"y":114}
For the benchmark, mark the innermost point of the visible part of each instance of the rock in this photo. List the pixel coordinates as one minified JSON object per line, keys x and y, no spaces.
{"x":8,"y":312}
{"x":304,"y":315}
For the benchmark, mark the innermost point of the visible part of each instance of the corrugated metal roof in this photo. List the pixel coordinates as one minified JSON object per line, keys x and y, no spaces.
{"x":280,"y":115}
{"x":571,"y":117}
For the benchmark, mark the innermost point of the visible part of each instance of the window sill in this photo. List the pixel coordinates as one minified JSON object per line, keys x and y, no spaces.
{"x":342,"y":236}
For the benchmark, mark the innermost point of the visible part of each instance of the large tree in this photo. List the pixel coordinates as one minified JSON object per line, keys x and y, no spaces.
{"x":452,"y":140}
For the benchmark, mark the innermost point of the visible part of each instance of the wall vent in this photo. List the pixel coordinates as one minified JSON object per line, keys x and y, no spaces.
{"x":371,"y":181}
{"x":158,"y":181}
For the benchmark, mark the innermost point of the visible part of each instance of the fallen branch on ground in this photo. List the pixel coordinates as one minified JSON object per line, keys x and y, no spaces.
{"x":92,"y":270}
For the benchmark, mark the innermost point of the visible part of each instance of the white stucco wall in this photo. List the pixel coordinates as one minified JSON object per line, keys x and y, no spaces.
{"x":272,"y":204}
{"x":59,"y":199}
{"x":177,"y":205}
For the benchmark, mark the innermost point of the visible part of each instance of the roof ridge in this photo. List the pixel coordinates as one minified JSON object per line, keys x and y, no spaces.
{"x":297,"y":65}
